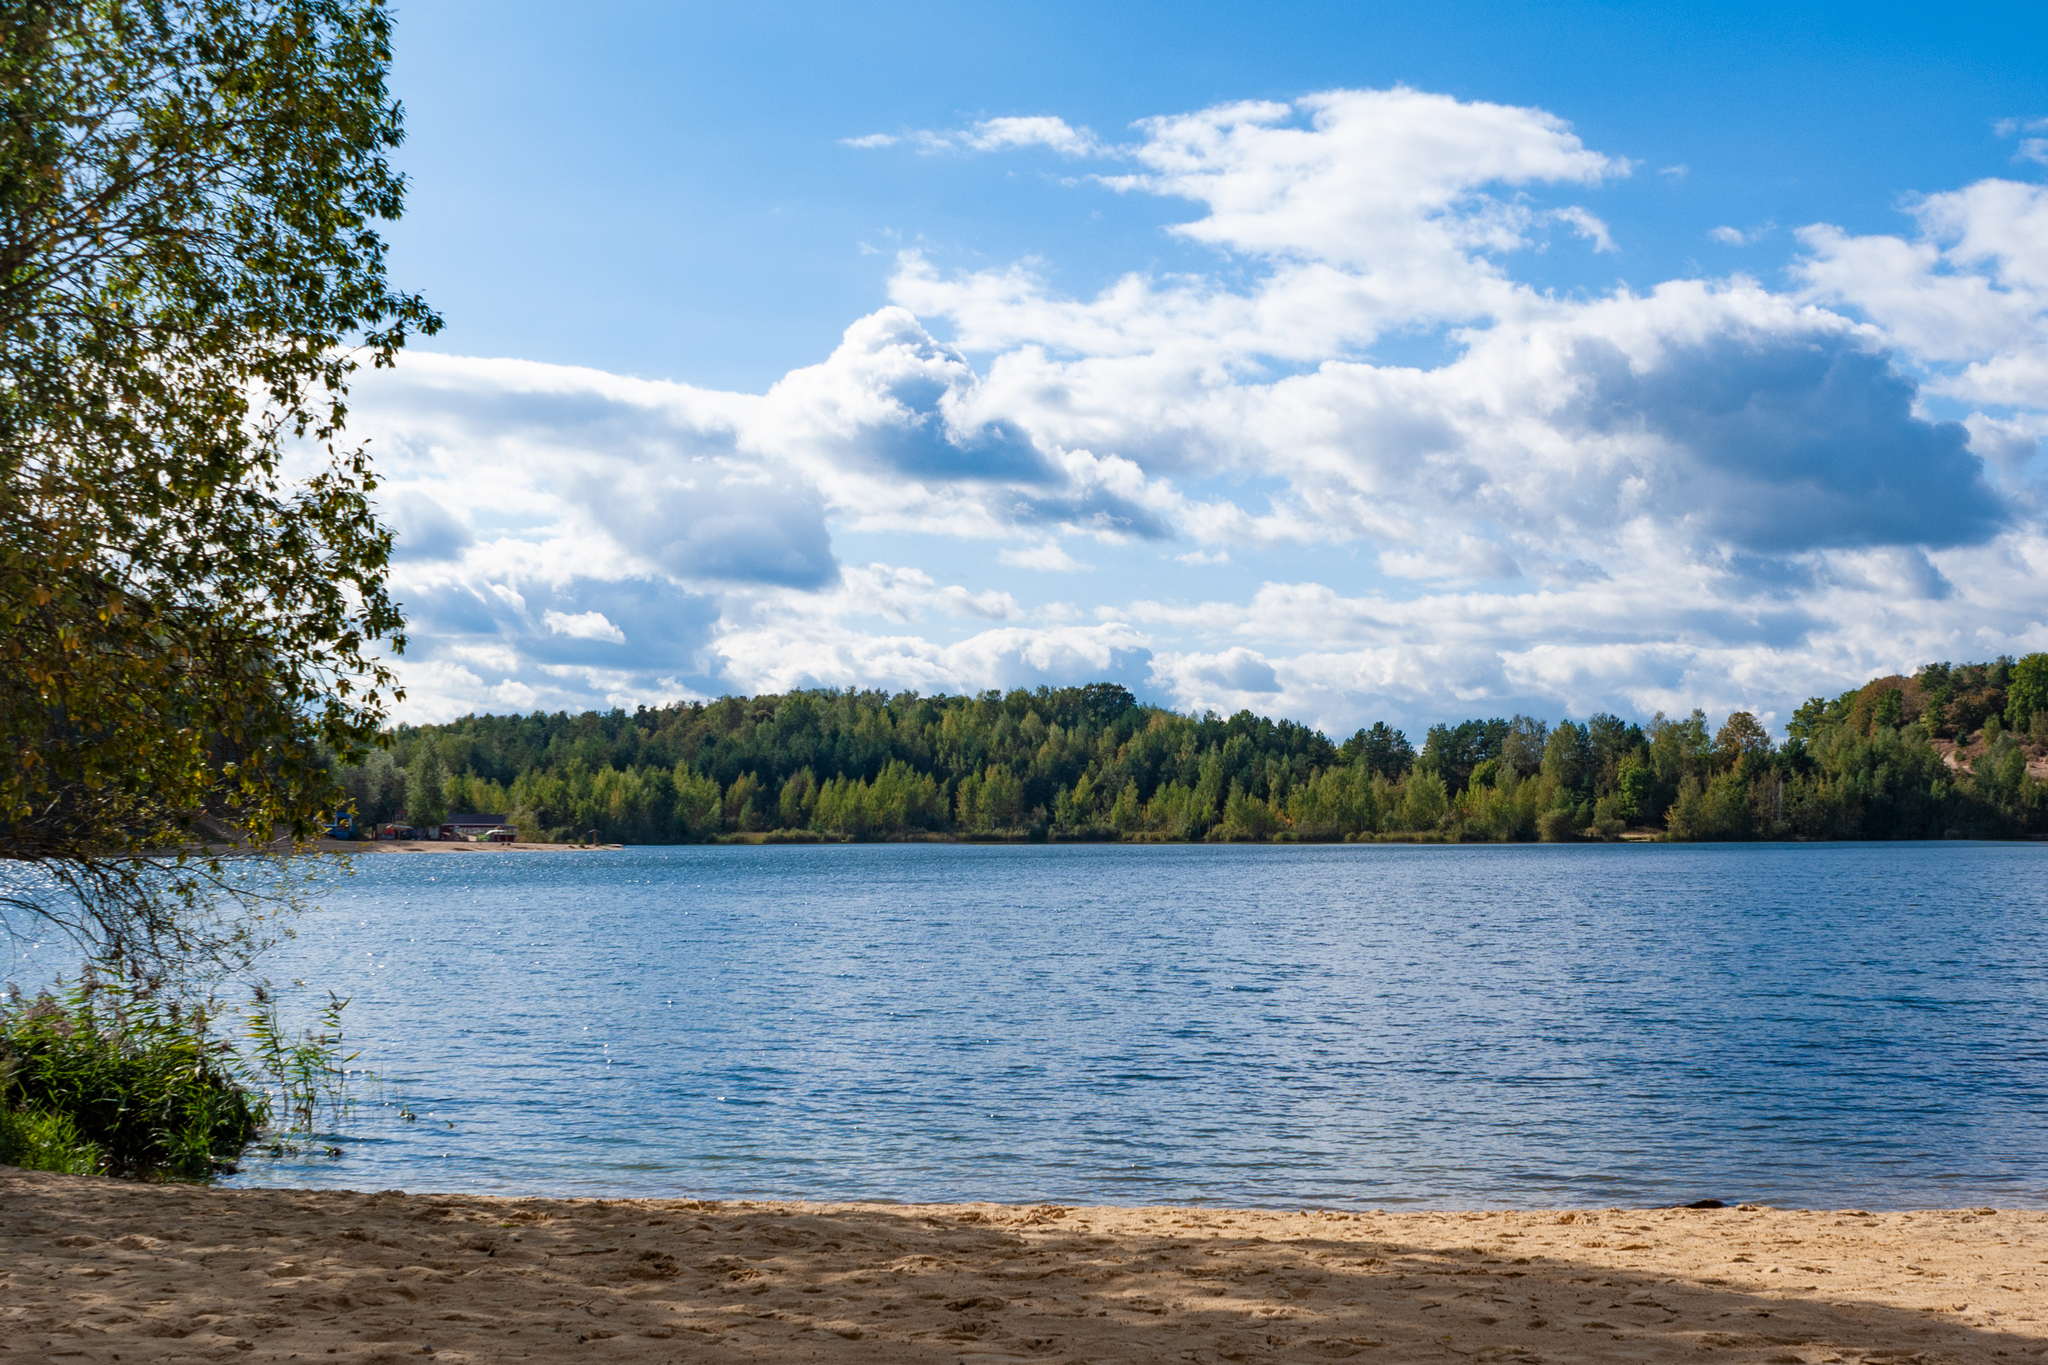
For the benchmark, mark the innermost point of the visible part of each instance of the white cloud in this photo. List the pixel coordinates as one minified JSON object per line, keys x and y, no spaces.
{"x":513,"y":695}
{"x":1045,"y":555}
{"x":820,"y":653}
{"x":1368,"y":209}
{"x":584,"y":625}
{"x":1465,"y":559}
{"x":2030,"y":148}
{"x":1377,"y":179}
{"x":998,"y":134}
{"x":989,"y":606}
{"x":1007,"y":133}
{"x":1700,"y":491}
{"x":1218,"y":681}
{"x":1728,"y":236}
{"x":1586,"y":225}
{"x":1972,"y":284}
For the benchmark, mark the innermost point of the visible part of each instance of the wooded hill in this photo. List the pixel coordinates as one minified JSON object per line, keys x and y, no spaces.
{"x":1944,"y":753}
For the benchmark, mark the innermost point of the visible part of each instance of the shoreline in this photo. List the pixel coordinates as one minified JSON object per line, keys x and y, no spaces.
{"x":450,"y":846}
{"x":92,"y":1268}
{"x":400,"y":846}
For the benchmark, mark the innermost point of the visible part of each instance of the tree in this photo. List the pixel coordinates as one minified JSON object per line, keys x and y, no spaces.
{"x":1612,"y":738}
{"x":1569,"y":759}
{"x":1522,"y":746}
{"x":1743,"y":734}
{"x":1383,"y":749}
{"x":1453,"y":751}
{"x":189,"y":274}
{"x":426,"y":785}
{"x":1808,"y":719}
{"x":377,"y":788}
{"x":2026,"y":691}
{"x":1679,"y":747}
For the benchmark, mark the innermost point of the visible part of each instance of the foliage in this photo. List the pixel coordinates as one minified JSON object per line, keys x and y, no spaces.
{"x":113,"y":1079}
{"x":426,"y":789}
{"x":42,"y":1141}
{"x":1091,"y":763}
{"x":115,"y":1082}
{"x":2026,"y":691}
{"x":188,"y":190}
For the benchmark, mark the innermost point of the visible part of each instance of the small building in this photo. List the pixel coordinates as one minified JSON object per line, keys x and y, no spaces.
{"x":467,"y":827}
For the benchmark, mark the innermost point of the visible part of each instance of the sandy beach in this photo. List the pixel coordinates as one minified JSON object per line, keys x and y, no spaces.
{"x":450,"y":846}
{"x":99,"y":1270}
{"x":362,"y":846}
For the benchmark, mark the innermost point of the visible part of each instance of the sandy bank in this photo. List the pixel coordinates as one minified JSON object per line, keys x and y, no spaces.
{"x":450,"y":846}
{"x":416,"y":846}
{"x":95,"y":1270}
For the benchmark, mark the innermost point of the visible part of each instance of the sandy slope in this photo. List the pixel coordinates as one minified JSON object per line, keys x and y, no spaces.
{"x":96,"y":1270}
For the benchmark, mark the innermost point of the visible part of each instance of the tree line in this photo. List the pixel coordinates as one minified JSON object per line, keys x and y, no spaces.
{"x":1943,"y":753}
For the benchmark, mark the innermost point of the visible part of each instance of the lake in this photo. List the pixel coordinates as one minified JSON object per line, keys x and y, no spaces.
{"x":1380,"y":1026}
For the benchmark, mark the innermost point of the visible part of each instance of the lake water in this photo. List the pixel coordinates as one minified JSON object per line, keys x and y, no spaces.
{"x":1826,"y":1025}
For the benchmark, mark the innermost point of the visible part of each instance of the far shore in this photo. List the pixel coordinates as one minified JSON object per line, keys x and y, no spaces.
{"x":449,"y":846}
{"x":402,"y":846}
{"x":100,"y":1270}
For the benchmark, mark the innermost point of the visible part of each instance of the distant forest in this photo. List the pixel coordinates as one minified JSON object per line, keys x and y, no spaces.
{"x":1953,"y":751}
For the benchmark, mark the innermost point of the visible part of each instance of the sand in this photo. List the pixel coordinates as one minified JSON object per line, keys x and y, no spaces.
{"x":451,"y":846}
{"x":359,"y":846}
{"x":99,"y":1270}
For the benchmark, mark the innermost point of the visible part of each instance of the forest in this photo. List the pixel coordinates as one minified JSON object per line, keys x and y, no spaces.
{"x":1954,"y":751}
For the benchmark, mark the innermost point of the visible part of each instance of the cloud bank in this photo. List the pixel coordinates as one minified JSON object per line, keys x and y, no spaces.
{"x":1711,"y":491}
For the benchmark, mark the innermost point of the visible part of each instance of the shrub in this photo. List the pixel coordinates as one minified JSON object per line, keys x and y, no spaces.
{"x":46,"y":1142}
{"x":116,"y":1083}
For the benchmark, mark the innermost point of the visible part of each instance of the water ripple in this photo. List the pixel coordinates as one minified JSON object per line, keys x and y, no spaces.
{"x":1832,"y":1025}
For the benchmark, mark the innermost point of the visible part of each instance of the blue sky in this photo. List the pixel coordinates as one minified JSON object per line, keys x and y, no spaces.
{"x":1346,"y":362}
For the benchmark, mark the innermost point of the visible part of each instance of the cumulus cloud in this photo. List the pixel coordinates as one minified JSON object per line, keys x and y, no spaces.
{"x":1374,"y":178}
{"x":422,"y":528}
{"x":584,"y":625}
{"x":1369,"y":209}
{"x":1233,"y":673}
{"x":1971,"y":286}
{"x":1044,"y":555}
{"x":1697,"y":492}
{"x":1790,"y":443}
{"x":997,"y":134}
{"x":812,"y":652}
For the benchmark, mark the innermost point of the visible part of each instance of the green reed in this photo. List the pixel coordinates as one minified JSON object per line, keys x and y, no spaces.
{"x":107,"y":1078}
{"x":307,"y":1072}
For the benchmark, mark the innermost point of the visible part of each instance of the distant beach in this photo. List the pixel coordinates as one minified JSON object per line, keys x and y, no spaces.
{"x":447,"y":846}
{"x":406,"y":846}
